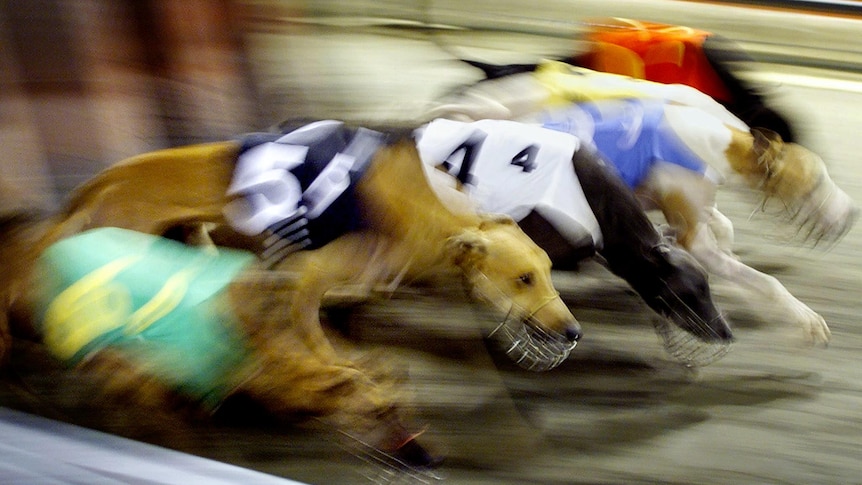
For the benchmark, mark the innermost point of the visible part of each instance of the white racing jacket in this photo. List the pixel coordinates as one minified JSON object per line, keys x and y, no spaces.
{"x":513,"y":168}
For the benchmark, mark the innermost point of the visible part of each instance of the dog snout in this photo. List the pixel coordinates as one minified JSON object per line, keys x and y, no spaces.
{"x":573,"y":333}
{"x":850,"y":220}
{"x":720,"y":330}
{"x":557,"y":320}
{"x":833,"y":218}
{"x":415,"y":455}
{"x":715,"y":330}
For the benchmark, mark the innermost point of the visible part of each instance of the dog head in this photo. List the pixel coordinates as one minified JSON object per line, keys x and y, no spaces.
{"x":506,"y":270}
{"x":693,"y":330}
{"x":797,"y":177}
{"x":683,"y":294}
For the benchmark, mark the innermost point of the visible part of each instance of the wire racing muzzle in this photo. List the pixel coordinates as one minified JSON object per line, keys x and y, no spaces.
{"x":687,"y":336}
{"x":685,"y":347}
{"x":529,"y":345}
{"x":520,"y":334}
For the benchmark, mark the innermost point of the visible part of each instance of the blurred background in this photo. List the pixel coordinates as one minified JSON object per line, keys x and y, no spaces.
{"x":86,"y":83}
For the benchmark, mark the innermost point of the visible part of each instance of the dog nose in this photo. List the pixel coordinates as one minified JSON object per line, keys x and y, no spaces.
{"x":573,"y":333}
{"x":723,"y":332}
{"x":415,"y":455}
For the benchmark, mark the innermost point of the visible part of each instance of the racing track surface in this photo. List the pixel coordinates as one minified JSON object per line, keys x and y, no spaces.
{"x":618,"y":411}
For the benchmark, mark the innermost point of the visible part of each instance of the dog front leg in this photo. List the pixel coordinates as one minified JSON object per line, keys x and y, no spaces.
{"x":291,"y":380}
{"x":703,"y":246}
{"x":722,"y":229}
{"x":365,"y":406}
{"x":344,"y":260}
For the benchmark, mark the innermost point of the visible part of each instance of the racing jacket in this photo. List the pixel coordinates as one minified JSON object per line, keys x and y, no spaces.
{"x":157,"y":302}
{"x":298,"y":188}
{"x":634,"y":134}
{"x":516,"y":169}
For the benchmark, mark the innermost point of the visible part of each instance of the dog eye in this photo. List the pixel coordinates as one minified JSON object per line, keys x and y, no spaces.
{"x":526,"y":279}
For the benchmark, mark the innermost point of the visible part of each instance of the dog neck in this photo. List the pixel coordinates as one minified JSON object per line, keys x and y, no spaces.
{"x":400,"y":203}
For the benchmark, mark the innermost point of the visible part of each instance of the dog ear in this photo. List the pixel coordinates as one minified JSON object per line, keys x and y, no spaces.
{"x":467,"y":248}
{"x":767,"y":145}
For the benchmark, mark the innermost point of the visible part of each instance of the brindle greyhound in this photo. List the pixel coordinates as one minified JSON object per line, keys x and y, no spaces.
{"x":693,"y":136}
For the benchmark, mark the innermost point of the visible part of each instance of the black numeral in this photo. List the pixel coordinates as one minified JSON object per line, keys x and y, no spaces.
{"x":471,"y":148}
{"x":526,"y":158}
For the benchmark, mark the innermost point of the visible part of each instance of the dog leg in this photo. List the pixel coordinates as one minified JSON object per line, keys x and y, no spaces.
{"x":722,"y":230}
{"x":351,"y":258}
{"x":704,"y":247}
{"x":291,"y":380}
{"x":166,"y":417}
{"x":288,"y":374}
{"x":688,"y":204}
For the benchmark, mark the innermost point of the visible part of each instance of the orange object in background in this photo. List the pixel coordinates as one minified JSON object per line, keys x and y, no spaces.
{"x":668,"y":54}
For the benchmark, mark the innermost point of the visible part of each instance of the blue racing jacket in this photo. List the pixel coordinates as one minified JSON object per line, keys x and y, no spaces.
{"x":632,"y":134}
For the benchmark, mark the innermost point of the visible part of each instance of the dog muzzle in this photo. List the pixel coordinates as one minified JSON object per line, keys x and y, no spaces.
{"x":686,"y":348}
{"x":530,"y":346}
{"x":387,"y":468}
{"x":519,"y":334}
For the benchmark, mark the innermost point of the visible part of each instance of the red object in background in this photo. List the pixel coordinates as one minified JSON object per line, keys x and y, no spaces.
{"x":663,"y":53}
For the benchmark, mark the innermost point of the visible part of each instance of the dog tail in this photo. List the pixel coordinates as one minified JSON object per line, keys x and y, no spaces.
{"x":494,"y":71}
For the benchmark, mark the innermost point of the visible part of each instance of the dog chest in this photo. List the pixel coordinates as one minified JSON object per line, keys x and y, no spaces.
{"x":157,"y":302}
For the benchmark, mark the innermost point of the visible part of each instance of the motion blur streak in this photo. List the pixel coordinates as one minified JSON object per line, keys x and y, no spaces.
{"x":88,"y":82}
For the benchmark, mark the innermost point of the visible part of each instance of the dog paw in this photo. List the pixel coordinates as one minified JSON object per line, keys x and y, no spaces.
{"x":816,"y":331}
{"x":667,"y":231}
